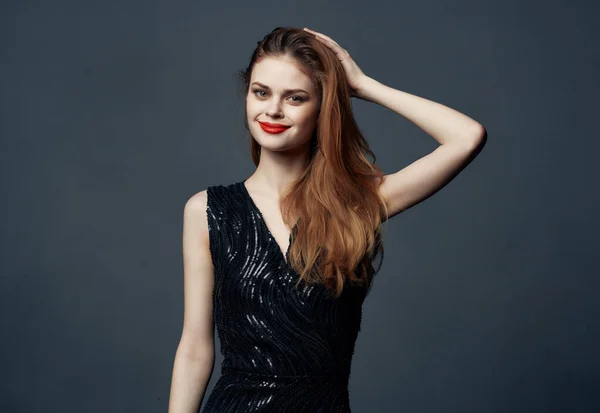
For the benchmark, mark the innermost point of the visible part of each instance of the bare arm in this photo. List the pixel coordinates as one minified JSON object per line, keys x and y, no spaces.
{"x":194,"y":358}
{"x":460,"y":137}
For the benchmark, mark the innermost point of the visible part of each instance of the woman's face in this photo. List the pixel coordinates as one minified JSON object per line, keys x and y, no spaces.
{"x":281,"y":93}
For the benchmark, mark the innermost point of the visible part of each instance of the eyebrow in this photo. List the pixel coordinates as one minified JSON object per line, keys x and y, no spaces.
{"x":285,"y":91}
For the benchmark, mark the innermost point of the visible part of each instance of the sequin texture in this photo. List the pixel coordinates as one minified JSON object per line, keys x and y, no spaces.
{"x":284,"y":349}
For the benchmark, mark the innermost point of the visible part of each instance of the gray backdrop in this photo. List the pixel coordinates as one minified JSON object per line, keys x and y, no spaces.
{"x":115,"y":113}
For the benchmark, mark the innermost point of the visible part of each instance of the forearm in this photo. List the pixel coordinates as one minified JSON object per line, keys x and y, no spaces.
{"x":190,"y":378}
{"x":443,"y":123}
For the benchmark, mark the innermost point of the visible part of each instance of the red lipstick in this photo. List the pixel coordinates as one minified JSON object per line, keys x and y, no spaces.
{"x":273,"y":127}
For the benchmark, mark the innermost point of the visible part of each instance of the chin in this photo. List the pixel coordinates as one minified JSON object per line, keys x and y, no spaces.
{"x":271,"y":137}
{"x":274,"y":144}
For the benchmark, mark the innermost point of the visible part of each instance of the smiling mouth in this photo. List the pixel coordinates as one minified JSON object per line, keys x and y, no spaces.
{"x":274,"y":129}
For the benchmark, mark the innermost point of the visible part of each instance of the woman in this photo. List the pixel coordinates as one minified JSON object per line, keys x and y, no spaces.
{"x":283,"y":259}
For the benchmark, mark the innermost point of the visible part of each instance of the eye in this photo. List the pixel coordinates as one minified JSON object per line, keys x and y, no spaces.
{"x":258,"y":91}
{"x":300,"y":98}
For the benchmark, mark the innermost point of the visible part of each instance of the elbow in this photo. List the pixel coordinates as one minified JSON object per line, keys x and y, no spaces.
{"x":195,"y":348}
{"x":203,"y":357}
{"x":477,"y":138}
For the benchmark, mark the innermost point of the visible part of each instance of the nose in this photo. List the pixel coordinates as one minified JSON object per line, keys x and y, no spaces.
{"x":274,"y":109}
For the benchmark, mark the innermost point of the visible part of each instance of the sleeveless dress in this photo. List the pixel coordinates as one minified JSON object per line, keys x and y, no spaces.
{"x":284,"y":349}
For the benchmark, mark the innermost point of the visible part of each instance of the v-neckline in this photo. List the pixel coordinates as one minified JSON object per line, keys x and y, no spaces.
{"x":282,"y":255}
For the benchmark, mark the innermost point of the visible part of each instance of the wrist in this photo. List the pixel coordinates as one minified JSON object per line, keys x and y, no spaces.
{"x":366,"y":85}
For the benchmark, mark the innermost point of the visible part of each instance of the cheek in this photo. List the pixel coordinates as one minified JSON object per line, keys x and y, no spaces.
{"x":302,"y":115}
{"x":250,"y":107}
{"x":307,"y":119}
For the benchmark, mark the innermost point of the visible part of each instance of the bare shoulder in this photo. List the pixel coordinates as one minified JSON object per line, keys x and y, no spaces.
{"x":197,"y":202}
{"x":194,"y":216}
{"x":198,"y":278}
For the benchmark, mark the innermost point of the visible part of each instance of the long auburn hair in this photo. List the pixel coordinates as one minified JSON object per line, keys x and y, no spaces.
{"x":337,"y":235}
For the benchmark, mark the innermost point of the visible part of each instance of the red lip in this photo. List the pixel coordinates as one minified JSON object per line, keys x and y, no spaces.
{"x":273,"y":127}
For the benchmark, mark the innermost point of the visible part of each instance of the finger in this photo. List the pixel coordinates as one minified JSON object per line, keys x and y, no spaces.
{"x":337,"y":49}
{"x":325,"y":37}
{"x":320,"y":35}
{"x":329,"y":41}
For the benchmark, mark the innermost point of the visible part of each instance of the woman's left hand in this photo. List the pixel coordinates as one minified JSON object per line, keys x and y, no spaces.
{"x":356,"y":77}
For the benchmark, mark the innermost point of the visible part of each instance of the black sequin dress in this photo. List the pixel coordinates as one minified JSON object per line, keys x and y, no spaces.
{"x":284,"y":349}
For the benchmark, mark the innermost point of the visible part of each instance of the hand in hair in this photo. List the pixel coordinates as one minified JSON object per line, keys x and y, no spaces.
{"x":356,"y":77}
